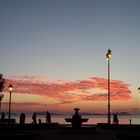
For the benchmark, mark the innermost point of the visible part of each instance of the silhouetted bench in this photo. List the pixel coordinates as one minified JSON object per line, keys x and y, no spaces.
{"x":5,"y":121}
{"x":76,"y":123}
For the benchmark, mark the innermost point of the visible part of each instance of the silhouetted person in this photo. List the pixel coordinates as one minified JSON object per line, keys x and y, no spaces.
{"x":115,"y":118}
{"x":2,"y":117}
{"x":76,"y":118}
{"x":39,"y":121}
{"x":48,"y":117}
{"x":22,"y":119}
{"x":130,"y":121}
{"x":34,"y":118}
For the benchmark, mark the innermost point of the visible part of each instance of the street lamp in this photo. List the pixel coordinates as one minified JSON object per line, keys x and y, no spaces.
{"x":1,"y":96}
{"x":9,"y":115}
{"x":108,"y":57}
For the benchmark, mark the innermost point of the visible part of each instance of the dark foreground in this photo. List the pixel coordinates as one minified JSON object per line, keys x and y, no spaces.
{"x":56,"y":131}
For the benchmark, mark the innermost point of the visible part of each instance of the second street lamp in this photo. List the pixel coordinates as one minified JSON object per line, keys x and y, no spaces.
{"x":108,"y":57}
{"x":9,"y":115}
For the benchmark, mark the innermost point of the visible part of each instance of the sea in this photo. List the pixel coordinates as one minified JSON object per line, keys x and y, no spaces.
{"x":91,"y":119}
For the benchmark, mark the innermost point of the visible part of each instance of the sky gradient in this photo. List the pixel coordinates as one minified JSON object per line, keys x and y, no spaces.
{"x":56,"y":44}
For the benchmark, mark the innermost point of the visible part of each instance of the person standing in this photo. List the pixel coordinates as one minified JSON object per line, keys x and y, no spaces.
{"x":34,"y":118}
{"x":2,"y":117}
{"x":22,"y":119}
{"x":48,"y":117}
{"x":115,"y":119}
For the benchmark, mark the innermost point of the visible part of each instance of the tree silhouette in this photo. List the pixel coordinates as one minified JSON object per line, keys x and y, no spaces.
{"x":2,"y":80}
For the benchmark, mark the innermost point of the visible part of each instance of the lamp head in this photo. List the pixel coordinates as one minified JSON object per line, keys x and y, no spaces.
{"x":10,"y":87}
{"x":108,"y":54}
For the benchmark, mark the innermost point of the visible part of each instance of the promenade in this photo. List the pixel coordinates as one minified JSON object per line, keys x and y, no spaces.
{"x":63,"y":132}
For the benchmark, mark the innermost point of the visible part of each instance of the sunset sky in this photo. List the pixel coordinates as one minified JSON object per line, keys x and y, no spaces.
{"x":54,"y":54}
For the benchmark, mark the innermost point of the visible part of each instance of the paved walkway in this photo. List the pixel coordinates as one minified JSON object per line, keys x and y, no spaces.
{"x":69,"y":133}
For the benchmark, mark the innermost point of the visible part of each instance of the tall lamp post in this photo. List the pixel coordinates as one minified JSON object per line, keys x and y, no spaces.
{"x":108,"y":57}
{"x":9,"y":115}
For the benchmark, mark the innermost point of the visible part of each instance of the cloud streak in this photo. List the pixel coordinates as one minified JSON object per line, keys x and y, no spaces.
{"x":92,"y":89}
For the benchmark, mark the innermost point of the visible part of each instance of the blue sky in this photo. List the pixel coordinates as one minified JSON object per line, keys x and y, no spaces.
{"x":68,"y":39}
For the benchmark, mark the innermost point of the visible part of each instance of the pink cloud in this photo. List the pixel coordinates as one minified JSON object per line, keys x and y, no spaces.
{"x":70,"y":92}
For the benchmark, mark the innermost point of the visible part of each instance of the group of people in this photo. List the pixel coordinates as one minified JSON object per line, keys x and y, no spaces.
{"x":23,"y":117}
{"x":48,"y":117}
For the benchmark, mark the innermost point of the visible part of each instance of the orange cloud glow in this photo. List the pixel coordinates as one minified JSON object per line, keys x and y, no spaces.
{"x":91,"y":89}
